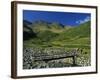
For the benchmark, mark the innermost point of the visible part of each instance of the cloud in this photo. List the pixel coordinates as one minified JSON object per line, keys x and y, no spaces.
{"x":83,"y":21}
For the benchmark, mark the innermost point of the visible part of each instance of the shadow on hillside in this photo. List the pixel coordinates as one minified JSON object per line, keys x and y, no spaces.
{"x":28,"y":34}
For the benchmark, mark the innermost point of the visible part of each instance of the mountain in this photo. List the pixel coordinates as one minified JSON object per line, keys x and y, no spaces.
{"x":76,"y":35}
{"x":43,"y":25}
{"x":82,"y":30}
{"x":42,"y":33}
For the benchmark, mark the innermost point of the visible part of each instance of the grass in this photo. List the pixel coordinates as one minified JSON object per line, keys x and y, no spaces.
{"x":58,"y":38}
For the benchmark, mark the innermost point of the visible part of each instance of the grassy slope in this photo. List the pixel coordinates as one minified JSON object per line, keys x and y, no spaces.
{"x":54,"y":35}
{"x":77,"y":36}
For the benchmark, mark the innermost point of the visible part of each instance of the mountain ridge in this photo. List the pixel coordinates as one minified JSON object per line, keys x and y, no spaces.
{"x":53,"y":34}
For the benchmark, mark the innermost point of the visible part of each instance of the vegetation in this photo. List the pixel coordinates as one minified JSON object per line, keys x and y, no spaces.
{"x":40,"y":35}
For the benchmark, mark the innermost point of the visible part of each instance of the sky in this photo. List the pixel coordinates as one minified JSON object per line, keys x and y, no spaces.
{"x":65,"y":18}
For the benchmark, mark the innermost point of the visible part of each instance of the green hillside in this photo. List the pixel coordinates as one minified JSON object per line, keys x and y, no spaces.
{"x":82,"y":30}
{"x":79,"y":35}
{"x":57,"y":35}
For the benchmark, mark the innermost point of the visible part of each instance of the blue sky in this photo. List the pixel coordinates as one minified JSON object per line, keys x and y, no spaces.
{"x":65,"y":18}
